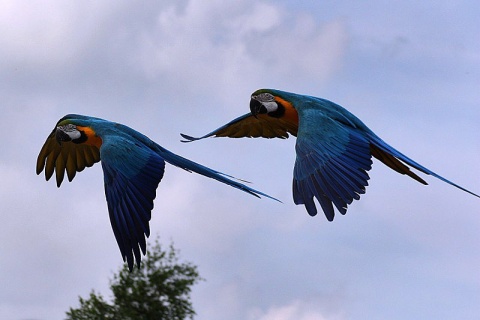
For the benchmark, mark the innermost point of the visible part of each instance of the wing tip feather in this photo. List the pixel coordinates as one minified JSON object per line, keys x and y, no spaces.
{"x":191,"y":139}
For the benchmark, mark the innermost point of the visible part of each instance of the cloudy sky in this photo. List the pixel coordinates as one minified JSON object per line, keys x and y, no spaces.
{"x":410,"y":70}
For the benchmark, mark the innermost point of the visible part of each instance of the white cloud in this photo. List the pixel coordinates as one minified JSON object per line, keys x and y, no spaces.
{"x":221,"y":43}
{"x":48,"y":32}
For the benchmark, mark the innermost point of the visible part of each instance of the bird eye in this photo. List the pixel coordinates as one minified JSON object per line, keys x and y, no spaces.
{"x":69,"y":127}
{"x":264,"y":97}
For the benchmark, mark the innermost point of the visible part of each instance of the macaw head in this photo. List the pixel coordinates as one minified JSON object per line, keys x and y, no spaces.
{"x":263,"y":102}
{"x":269,"y":102}
{"x":76,"y":128}
{"x":69,"y":132}
{"x":72,"y":146}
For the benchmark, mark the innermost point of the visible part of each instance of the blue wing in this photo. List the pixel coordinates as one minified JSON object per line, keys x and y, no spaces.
{"x":132,"y":173}
{"x":331,"y":164}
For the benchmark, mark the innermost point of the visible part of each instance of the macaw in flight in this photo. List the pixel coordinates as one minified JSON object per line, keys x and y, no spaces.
{"x":133,"y":166}
{"x":334,"y":148}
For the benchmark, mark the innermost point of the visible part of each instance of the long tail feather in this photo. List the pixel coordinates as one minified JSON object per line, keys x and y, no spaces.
{"x":191,"y":166}
{"x":390,"y":156}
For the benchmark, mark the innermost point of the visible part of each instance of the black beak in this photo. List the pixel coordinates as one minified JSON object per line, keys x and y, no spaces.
{"x":61,"y":136}
{"x":256,"y":107}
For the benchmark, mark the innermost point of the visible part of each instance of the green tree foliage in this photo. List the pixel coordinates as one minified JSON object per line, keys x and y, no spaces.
{"x":159,"y":289}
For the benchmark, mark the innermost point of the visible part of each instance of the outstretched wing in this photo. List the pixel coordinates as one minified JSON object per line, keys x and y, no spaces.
{"x":132,"y":173}
{"x":331,"y":165}
{"x":253,"y":127}
{"x":65,"y":157}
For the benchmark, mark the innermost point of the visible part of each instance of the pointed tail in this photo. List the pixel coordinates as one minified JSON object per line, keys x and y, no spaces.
{"x":390,"y":156}
{"x":191,"y":166}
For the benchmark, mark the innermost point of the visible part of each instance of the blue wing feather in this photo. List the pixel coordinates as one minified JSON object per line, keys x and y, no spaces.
{"x":331,"y":165}
{"x":134,"y":220}
{"x":140,"y":212}
{"x":132,"y":173}
{"x":340,"y":189}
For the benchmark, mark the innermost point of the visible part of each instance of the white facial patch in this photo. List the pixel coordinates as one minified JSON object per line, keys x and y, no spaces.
{"x":71,"y":131}
{"x":271,"y":106}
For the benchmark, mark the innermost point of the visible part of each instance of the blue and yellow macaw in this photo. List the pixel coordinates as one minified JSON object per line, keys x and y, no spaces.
{"x":133,"y":166}
{"x":334,"y":148}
